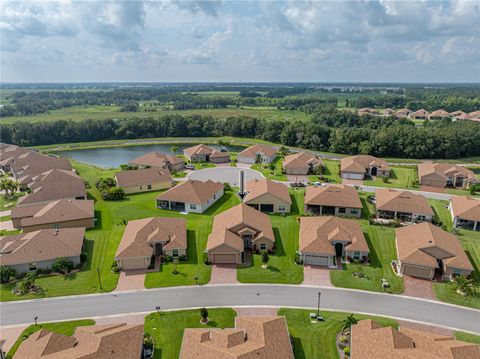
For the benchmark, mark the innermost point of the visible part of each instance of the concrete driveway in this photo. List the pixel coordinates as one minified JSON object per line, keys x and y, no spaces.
{"x":7,"y":225}
{"x":223,"y":274}
{"x":316,"y":275}
{"x":131,"y":279}
{"x":432,"y":189}
{"x":229,"y":175}
{"x":417,"y":287}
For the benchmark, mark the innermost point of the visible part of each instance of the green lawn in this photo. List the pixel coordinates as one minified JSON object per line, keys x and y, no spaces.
{"x":65,"y":328}
{"x":275,"y":174}
{"x":5,"y":218}
{"x":467,"y":337}
{"x":317,"y":340}
{"x":198,"y":228}
{"x":381,"y":241}
{"x":401,"y":177}
{"x":331,"y":171}
{"x":281,"y":266}
{"x":202,"y":165}
{"x":9,"y":203}
{"x":470,"y":241}
{"x":167,"y":328}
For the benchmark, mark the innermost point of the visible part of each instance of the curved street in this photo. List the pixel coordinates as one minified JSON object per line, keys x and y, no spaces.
{"x":116,"y":303}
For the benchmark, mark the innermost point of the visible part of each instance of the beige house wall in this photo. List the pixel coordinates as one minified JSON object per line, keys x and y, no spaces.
{"x":449,"y":271}
{"x":260,"y":241}
{"x":270,"y":199}
{"x":144,"y":188}
{"x":433,"y":180}
{"x":296,"y":170}
{"x":169,"y":252}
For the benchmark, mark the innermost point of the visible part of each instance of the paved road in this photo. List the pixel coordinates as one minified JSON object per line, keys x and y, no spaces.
{"x":85,"y":306}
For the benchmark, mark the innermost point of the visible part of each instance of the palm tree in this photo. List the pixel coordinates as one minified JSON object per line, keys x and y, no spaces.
{"x":466,"y":287}
{"x":284,"y":151}
{"x":174,"y":149}
{"x":348,"y":322}
{"x":9,"y":186}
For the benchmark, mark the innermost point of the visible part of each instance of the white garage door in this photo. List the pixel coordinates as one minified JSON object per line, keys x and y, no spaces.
{"x":356,"y":176}
{"x":134,"y":263}
{"x":224,"y":258}
{"x":316,"y":260}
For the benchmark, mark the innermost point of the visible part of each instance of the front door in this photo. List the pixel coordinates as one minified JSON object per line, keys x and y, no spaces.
{"x":339,"y":249}
{"x":373,"y":171}
{"x":158,"y":249}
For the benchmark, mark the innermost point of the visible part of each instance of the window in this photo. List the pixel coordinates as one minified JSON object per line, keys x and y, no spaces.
{"x":354,"y":211}
{"x":193,"y":206}
{"x":281,"y":208}
{"x":174,"y":252}
{"x":356,"y":255}
{"x":149,"y":186}
{"x":342,"y":210}
{"x":457,"y":272}
{"x":32,"y":266}
{"x":263,"y":246}
{"x":141,"y":187}
{"x":56,"y":226}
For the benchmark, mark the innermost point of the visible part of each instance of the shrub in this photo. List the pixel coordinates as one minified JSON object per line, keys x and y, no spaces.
{"x":226,"y":186}
{"x":182,"y":258}
{"x":6,"y":273}
{"x":437,"y":221}
{"x":204,"y":313}
{"x":104,"y":183}
{"x":83,"y":257}
{"x":205,"y":259}
{"x":147,"y":341}
{"x":167,"y":259}
{"x":113,"y":194}
{"x":265,"y":257}
{"x":62,"y":265}
{"x":346,"y":351}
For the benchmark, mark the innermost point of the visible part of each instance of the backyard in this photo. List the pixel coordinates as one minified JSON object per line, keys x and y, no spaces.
{"x":400,"y":177}
{"x":275,"y":174}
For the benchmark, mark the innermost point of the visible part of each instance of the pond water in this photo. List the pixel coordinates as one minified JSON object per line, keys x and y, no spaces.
{"x":112,"y":157}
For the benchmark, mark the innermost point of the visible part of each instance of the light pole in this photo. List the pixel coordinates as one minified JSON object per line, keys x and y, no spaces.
{"x":318,"y":306}
{"x":99,"y":279}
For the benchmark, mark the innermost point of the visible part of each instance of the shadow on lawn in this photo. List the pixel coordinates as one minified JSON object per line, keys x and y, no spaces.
{"x":279,"y":249}
{"x":374,"y":260}
{"x":88,"y":247}
{"x":192,"y":256}
{"x":298,"y":348}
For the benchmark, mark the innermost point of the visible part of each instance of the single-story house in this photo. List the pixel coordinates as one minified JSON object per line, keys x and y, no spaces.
{"x":62,"y":213}
{"x":96,"y":341}
{"x":361,"y":166}
{"x":53,"y":175}
{"x":191,"y":196}
{"x":475,"y":114}
{"x":439,"y":114}
{"x":8,"y":155}
{"x":144,"y":180}
{"x":419,"y":115}
{"x":324,"y":239}
{"x":425,"y":250}
{"x":445,"y":175}
{"x":236,"y":230}
{"x":252,"y":337}
{"x":31,"y":163}
{"x":268,"y":196}
{"x":333,"y":200}
{"x":464,"y":117}
{"x":158,"y":160}
{"x":49,"y":189}
{"x":367,"y":111}
{"x":30,"y":251}
{"x":465,"y":212}
{"x":458,"y":113}
{"x":388,"y":112}
{"x":370,"y":340}
{"x":302,"y":163}
{"x":150,"y":237}
{"x":204,"y":153}
{"x":257,"y":154}
{"x":402,"y":205}
{"x":403,"y":113}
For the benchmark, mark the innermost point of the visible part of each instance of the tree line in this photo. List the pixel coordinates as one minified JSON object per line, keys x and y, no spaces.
{"x":346,"y":134}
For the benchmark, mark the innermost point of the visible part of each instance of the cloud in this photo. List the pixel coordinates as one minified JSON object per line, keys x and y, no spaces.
{"x":209,"y":7}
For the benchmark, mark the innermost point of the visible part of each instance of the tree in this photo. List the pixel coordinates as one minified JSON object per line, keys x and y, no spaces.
{"x":466,"y":287}
{"x":174,"y":149}
{"x":6,"y":273}
{"x":284,"y":151}
{"x":204,"y":314}
{"x":348,"y":322}
{"x":258,"y":158}
{"x":113,"y":194}
{"x":265,"y":257}
{"x":27,"y":284}
{"x":9,"y":186}
{"x":62,"y":265}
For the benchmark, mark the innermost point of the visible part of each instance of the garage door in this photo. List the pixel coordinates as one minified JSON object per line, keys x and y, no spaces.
{"x":356,"y":176}
{"x":420,"y":272}
{"x":316,"y":260}
{"x":224,"y":258}
{"x":133,"y":263}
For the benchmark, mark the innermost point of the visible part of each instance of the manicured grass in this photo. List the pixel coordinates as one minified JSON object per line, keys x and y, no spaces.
{"x":401,"y":177}
{"x":9,"y":203}
{"x":5,"y":218}
{"x":202,"y":165}
{"x":470,"y":240}
{"x":275,"y":174}
{"x":65,"y":328}
{"x":166,"y":328}
{"x":198,"y":228}
{"x":318,"y":340}
{"x":5,"y":232}
{"x":281,"y":266}
{"x":467,"y":337}
{"x":331,"y":171}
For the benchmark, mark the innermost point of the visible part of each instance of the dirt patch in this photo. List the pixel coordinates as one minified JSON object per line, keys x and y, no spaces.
{"x":223,"y":274}
{"x":316,"y":275}
{"x":420,"y":288}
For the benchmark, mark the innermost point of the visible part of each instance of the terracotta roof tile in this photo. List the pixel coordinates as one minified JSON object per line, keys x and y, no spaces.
{"x":155,"y":159}
{"x":302,"y":160}
{"x":333,"y":195}
{"x":466,"y":208}
{"x":402,"y":201}
{"x":361,"y":163}
{"x":191,"y":191}
{"x":142,"y":177}
{"x":253,"y":150}
{"x":264,"y":186}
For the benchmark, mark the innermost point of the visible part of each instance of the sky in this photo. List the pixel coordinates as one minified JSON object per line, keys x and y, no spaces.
{"x":247,"y":41}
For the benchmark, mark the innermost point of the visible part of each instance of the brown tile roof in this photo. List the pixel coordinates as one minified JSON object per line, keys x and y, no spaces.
{"x":415,"y":241}
{"x":466,"y":208}
{"x":388,"y":111}
{"x":464,"y":116}
{"x":445,"y":170}
{"x":202,"y":149}
{"x":264,"y":186}
{"x":421,"y":112}
{"x":475,"y":114}
{"x":140,"y":234}
{"x":241,"y":215}
{"x":404,"y":112}
{"x":46,"y":191}
{"x":46,"y":244}
{"x":440,"y":113}
{"x":35,"y":162}
{"x":253,"y":150}
{"x":402,"y":201}
{"x":457,"y":113}
{"x":53,"y":176}
{"x":156,"y":159}
{"x":333,"y":195}
{"x":302,"y":160}
{"x":252,"y":337}
{"x":10,"y":153}
{"x":360,"y":163}
{"x":100,"y":341}
{"x":58,"y":211}
{"x":191,"y":191}
{"x":318,"y":233}
{"x":142,"y":177}
{"x":369,"y":340}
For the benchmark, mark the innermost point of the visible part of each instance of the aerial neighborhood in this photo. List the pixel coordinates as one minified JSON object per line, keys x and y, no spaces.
{"x":314,"y":222}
